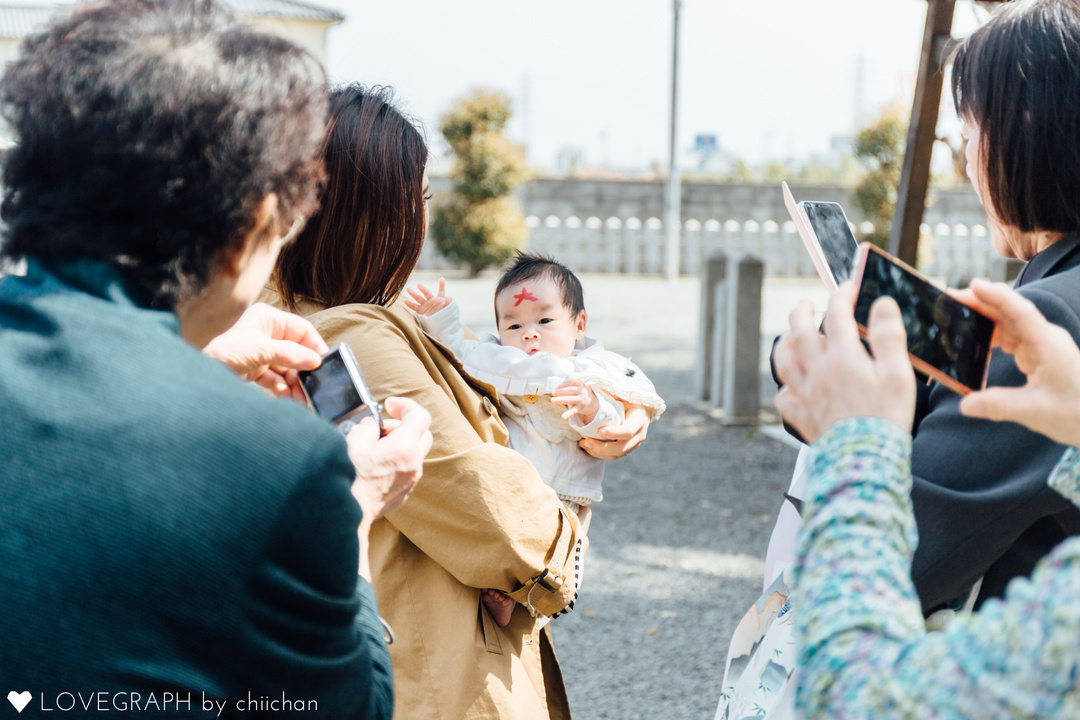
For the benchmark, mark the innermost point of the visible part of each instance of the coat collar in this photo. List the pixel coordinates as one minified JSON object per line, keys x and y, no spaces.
{"x":1062,"y":254}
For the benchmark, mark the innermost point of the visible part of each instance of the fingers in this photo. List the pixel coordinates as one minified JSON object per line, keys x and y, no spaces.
{"x":801,"y":319}
{"x":287,"y":354}
{"x":619,"y":439}
{"x":634,"y":427}
{"x":791,"y":407}
{"x":601,"y":449}
{"x":416,"y":298}
{"x":574,"y":399}
{"x":296,"y":392}
{"x":840,"y":326}
{"x":1014,"y":314}
{"x":415,"y":422}
{"x":829,"y":377}
{"x":888,"y":341}
{"x":791,"y":351}
{"x":363,"y":436}
{"x":420,"y":293}
{"x":442,"y":287}
{"x":995,"y":403}
{"x":273,"y":382}
{"x":290,"y":327}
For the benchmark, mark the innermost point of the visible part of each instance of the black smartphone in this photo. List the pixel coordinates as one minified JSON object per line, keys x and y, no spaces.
{"x":827,"y":236}
{"x":835,"y":239}
{"x":947,"y":340}
{"x":337,"y":392}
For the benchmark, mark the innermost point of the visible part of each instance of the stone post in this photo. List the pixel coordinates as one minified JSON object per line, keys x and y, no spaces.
{"x":710,"y":324}
{"x":742,"y":354}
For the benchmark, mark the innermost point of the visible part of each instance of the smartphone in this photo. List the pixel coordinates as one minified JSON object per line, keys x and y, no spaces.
{"x":947,"y":340}
{"x":827,"y":235}
{"x":336,"y":390}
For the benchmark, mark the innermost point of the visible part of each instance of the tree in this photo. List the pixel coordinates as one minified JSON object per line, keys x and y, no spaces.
{"x":881,"y":148}
{"x":480,"y":224}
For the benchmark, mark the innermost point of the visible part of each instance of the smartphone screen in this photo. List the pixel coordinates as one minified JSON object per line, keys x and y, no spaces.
{"x":942,"y":332}
{"x":331,"y":389}
{"x":834,"y":236}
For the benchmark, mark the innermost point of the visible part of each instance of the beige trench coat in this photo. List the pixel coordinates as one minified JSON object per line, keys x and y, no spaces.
{"x":480,"y":517}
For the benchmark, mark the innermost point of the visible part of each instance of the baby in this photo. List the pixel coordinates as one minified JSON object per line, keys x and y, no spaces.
{"x":555,"y":385}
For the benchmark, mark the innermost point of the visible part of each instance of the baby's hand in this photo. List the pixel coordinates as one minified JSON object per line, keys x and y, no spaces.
{"x":424,"y":302}
{"x":580,"y":398}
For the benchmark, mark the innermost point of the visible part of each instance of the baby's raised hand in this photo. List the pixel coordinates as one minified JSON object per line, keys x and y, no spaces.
{"x":580,"y":399}
{"x":424,"y":302}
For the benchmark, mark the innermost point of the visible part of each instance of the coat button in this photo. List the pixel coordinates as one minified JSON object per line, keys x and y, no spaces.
{"x":530,"y":399}
{"x":489,"y":406}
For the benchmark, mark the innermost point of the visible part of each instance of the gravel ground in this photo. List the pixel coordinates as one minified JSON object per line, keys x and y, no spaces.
{"x":676,"y":559}
{"x":678,"y":543}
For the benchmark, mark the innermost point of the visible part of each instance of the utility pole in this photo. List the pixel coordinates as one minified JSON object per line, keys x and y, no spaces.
{"x":673,"y":188}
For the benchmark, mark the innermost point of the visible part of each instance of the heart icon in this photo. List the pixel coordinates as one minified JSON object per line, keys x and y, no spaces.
{"x":19,"y":700}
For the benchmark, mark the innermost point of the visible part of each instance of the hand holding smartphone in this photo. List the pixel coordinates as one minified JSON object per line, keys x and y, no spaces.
{"x":336,"y":390}
{"x":946,"y":339}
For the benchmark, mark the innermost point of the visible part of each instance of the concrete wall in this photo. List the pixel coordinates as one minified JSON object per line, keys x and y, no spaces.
{"x":614,"y":227}
{"x":716,"y":201}
{"x":563,"y":198}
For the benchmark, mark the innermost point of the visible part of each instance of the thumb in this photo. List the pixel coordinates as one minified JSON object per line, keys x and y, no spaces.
{"x":998,"y":403}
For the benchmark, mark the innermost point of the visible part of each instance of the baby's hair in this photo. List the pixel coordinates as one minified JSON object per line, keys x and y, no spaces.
{"x":526,"y":266}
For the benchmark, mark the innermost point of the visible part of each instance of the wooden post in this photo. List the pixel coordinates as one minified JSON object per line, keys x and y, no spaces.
{"x":911,"y":196}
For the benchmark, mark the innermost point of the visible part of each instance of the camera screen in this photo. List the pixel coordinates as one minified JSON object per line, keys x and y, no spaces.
{"x":834,"y":236}
{"x":331,"y":388}
{"x":941,"y":331}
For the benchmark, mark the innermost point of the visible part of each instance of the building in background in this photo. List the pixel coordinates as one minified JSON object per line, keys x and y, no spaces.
{"x":303,"y":23}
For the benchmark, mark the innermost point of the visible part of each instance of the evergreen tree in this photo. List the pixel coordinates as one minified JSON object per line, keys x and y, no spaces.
{"x":480,"y":224}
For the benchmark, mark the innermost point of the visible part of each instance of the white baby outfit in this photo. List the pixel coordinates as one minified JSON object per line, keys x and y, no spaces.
{"x":535,"y":425}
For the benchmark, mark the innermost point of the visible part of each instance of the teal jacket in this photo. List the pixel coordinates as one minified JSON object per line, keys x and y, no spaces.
{"x":168,"y":533}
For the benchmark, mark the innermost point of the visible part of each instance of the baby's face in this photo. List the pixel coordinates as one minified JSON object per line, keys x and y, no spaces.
{"x":532,"y":318}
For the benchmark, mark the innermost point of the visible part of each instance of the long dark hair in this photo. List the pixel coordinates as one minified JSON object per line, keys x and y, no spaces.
{"x":1018,"y":78}
{"x":364,"y":241}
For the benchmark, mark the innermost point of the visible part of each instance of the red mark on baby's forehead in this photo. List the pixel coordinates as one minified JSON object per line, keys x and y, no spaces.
{"x":523,"y":295}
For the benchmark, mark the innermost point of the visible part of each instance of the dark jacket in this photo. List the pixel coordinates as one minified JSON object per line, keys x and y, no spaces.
{"x":165,"y":527}
{"x":980,"y":496}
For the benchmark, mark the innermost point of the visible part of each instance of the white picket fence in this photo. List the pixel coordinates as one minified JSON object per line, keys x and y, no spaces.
{"x":636,"y":247}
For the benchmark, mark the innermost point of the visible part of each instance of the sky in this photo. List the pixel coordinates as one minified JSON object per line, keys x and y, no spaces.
{"x":772,"y":79}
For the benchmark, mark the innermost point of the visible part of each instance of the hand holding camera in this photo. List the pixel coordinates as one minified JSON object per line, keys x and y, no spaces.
{"x":389,"y":466}
{"x":268,"y":346}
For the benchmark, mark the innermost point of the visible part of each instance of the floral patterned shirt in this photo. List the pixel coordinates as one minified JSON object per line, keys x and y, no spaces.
{"x":864,"y":651}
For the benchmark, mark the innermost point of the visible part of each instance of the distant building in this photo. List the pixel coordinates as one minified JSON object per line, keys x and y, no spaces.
{"x":303,"y":23}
